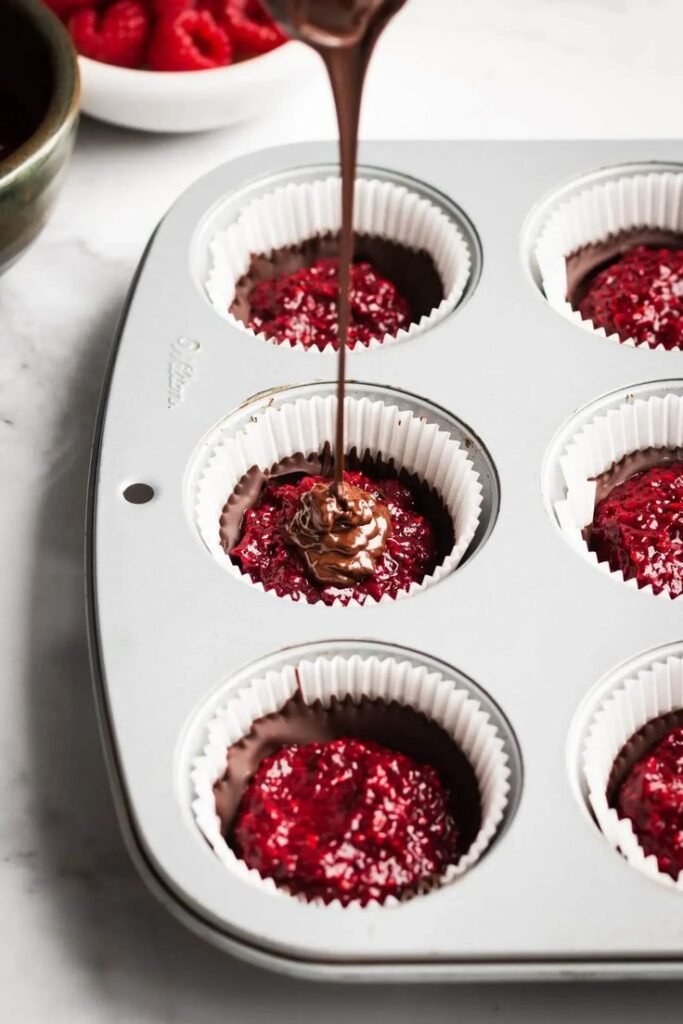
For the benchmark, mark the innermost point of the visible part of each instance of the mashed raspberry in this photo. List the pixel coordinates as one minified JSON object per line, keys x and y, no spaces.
{"x":638,"y":528}
{"x":639,"y":296}
{"x":301,"y":307}
{"x":652,"y":798}
{"x":345,"y":820}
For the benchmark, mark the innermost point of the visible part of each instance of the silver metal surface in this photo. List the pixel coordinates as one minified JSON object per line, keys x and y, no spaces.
{"x":527,"y":619}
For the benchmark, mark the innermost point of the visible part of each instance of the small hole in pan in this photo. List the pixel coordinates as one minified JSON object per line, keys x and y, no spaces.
{"x":138,"y":494}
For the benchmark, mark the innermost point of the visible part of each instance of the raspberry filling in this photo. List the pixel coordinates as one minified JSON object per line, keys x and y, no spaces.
{"x":651,"y":797}
{"x":638,"y":528}
{"x":639,"y":297}
{"x":266,"y":554}
{"x":345,"y":820}
{"x":301,"y":307}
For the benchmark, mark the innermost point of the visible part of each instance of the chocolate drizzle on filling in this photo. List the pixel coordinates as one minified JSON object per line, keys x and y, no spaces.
{"x":344,"y":33}
{"x":429,"y":502}
{"x":340,"y":533}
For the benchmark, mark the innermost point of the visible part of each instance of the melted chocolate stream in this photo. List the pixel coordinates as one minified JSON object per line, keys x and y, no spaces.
{"x":344,"y":33}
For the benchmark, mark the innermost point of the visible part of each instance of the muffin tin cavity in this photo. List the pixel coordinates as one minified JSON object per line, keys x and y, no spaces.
{"x":624,"y":714}
{"x":414,"y":237}
{"x":322,"y":674}
{"x":640,"y":419}
{"x":583,"y":226}
{"x":387,"y":426}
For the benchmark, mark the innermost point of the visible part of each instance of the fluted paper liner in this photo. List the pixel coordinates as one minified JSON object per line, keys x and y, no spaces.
{"x":386,"y":679}
{"x":645,"y":697}
{"x":293,"y":213}
{"x":652,"y":200}
{"x":306,"y":426}
{"x":655,"y":422}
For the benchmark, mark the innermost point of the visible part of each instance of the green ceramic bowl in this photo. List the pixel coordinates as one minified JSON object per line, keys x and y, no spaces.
{"x":39,"y":89}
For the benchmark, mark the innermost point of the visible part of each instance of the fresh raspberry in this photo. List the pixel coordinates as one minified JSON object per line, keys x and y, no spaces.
{"x":171,"y":8}
{"x":118,"y":36}
{"x":65,"y":8}
{"x":251,"y":28}
{"x":189,"y":41}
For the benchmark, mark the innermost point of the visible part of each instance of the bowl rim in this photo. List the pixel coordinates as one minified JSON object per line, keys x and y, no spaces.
{"x":62,"y":109}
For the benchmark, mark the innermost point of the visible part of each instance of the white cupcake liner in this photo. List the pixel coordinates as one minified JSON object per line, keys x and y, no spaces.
{"x":653,"y":692}
{"x":387,"y":679}
{"x":306,"y":426}
{"x":293,"y":213}
{"x":652,"y":200}
{"x":655,"y":422}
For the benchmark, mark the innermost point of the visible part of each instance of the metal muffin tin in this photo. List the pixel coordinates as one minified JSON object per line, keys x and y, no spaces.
{"x":527,"y":620}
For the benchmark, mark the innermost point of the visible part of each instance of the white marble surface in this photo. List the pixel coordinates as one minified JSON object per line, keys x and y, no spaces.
{"x":82,"y":940}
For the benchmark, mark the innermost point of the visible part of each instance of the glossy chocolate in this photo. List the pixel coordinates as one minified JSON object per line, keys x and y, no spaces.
{"x":340,"y":533}
{"x":344,"y":33}
{"x":419,"y":538}
{"x":251,"y":485}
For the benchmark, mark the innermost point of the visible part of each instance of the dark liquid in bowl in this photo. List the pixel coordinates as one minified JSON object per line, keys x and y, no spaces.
{"x":25,"y":79}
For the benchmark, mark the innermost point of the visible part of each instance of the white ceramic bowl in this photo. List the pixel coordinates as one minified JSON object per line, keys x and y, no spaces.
{"x":188,"y":101}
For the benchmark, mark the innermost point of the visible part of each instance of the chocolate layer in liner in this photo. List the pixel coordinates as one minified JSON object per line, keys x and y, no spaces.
{"x":634,"y":462}
{"x":584,"y":264}
{"x":392,"y":725}
{"x":639,"y":744}
{"x":412,"y":271}
{"x":250,"y":487}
